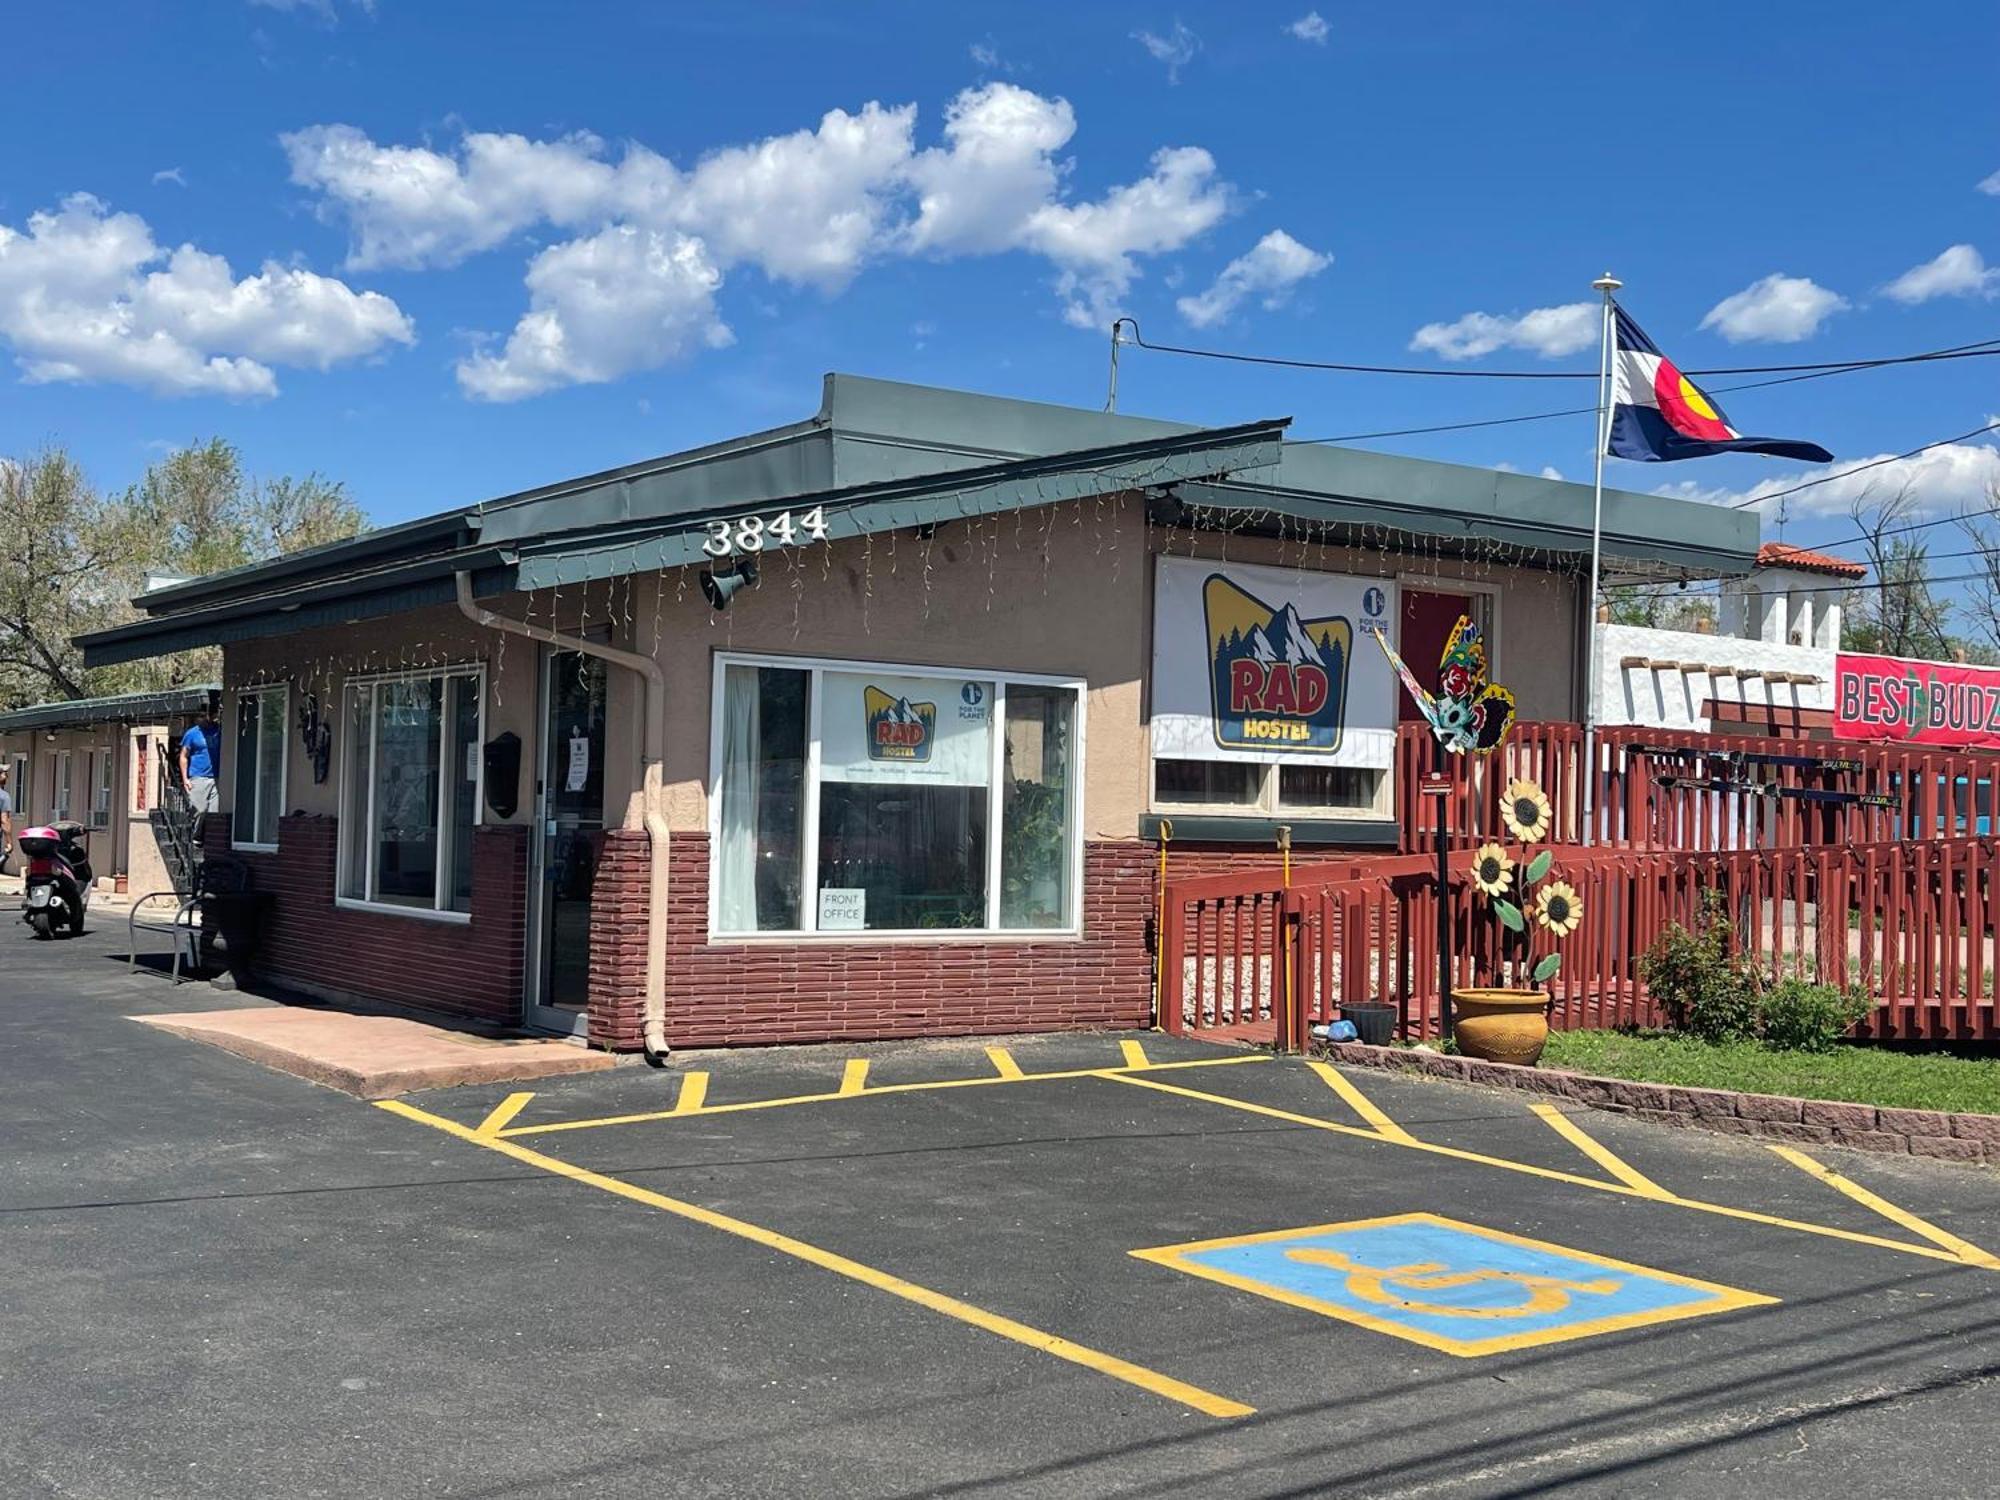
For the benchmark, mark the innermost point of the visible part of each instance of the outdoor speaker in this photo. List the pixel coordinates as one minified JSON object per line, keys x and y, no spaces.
{"x":719,"y":588}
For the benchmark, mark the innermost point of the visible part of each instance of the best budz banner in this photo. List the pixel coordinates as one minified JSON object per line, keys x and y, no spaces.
{"x":880,"y":728}
{"x":1265,"y":664}
{"x":1916,"y":702}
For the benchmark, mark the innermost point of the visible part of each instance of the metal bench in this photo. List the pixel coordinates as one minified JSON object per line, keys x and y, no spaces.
{"x":212,"y":878}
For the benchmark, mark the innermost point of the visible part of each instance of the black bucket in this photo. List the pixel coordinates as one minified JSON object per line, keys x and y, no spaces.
{"x":1373,"y":1024}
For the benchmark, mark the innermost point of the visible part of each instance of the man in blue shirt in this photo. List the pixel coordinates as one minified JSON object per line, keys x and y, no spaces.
{"x":201,"y":757}
{"x":6,"y":819}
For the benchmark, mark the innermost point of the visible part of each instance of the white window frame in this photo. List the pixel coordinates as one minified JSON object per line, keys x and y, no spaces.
{"x":1268,"y":804}
{"x":101,"y":784}
{"x":60,"y":788}
{"x":353,"y":824}
{"x":236,"y":818}
{"x":818,"y":667}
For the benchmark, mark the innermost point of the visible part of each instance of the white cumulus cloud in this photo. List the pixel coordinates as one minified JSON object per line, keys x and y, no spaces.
{"x":621,"y":300}
{"x":815,"y":208}
{"x":1958,"y":272}
{"x":1778,"y":309}
{"x":1175,"y":50}
{"x":1550,"y":332}
{"x":1991,"y":185}
{"x":1941,"y":482}
{"x":1310,"y":27}
{"x":78,"y":302}
{"x":1270,"y":269}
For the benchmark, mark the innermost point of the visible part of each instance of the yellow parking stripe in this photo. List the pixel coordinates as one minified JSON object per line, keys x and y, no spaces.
{"x":1206,"y":1402}
{"x":1616,"y":1165}
{"x":1963,"y":1250}
{"x":1529,"y":1170}
{"x":1003,"y":1063}
{"x":877,"y":1091}
{"x":503,"y":1114}
{"x":1135,"y":1055}
{"x":694,"y":1091}
{"x":1360,"y":1103}
{"x":853,"y":1078}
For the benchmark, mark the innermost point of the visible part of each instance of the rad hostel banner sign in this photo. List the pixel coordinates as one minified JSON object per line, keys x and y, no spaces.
{"x":1916,"y":702}
{"x":1267,"y":664}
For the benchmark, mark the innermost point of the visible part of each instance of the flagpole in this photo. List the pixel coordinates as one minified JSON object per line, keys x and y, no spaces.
{"x":1606,"y":285}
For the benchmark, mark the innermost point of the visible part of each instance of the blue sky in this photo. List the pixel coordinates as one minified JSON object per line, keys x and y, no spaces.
{"x":530,"y":241}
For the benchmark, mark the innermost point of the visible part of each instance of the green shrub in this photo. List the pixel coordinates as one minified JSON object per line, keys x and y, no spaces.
{"x":1806,"y":1017}
{"x":1701,"y":987}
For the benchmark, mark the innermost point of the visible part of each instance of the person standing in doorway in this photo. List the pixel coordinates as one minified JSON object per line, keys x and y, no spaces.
{"x":201,"y":760}
{"x":6,"y":821}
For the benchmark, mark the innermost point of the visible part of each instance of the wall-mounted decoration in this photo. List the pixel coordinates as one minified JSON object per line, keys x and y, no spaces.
{"x":317,"y":736}
{"x":503,"y":774}
{"x":1466,"y":712}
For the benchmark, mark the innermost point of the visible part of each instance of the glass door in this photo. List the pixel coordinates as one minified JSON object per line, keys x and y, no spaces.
{"x":569,"y":837}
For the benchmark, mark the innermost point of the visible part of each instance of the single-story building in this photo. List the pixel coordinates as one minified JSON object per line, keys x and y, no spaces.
{"x":864,"y":726}
{"x":105,"y":763}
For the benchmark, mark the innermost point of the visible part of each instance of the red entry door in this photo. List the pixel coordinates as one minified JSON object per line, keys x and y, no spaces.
{"x":1427,"y":622}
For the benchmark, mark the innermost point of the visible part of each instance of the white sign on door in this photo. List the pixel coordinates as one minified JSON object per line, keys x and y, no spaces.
{"x":579,"y":763}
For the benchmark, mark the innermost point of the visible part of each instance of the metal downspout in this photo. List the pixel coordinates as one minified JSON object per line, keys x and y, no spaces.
{"x":652,"y":797}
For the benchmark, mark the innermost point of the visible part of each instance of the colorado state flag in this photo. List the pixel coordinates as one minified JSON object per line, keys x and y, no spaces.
{"x":1658,"y":414}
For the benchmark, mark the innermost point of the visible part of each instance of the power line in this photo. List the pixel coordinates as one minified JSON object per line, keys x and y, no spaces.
{"x":1863,"y":468}
{"x":1572,"y":411}
{"x":1959,"y":351}
{"x":1670,"y":591}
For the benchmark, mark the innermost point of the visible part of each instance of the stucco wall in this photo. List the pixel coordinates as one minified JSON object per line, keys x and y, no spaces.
{"x":1055,"y":592}
{"x":321,"y":661}
{"x":1667,"y":698}
{"x":1064,"y":592}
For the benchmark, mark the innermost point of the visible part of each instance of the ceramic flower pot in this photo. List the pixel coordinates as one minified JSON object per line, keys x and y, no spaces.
{"x":1499,"y":1025}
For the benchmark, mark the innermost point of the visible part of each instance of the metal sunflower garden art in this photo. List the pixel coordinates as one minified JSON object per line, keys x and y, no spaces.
{"x":1509,"y":1023}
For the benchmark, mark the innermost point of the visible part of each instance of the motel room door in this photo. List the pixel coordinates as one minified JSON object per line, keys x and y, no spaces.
{"x":569,"y":838}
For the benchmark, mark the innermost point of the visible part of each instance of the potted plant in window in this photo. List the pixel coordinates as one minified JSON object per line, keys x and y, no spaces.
{"x":1505,"y":1022}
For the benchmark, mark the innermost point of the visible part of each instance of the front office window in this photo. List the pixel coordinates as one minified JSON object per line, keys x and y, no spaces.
{"x":410,"y":790}
{"x":893,"y":800}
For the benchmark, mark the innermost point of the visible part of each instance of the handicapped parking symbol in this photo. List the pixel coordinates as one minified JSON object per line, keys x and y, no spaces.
{"x":1546,"y":1294}
{"x":1456,"y":1287}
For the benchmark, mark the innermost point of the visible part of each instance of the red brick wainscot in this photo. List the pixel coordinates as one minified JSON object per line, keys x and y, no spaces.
{"x":472,"y":969}
{"x":738,"y":993}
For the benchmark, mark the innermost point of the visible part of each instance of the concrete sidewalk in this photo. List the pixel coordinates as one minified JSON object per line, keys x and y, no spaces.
{"x":377,"y":1056}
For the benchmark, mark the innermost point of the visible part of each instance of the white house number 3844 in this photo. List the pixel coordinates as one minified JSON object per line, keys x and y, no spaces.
{"x":755,"y":533}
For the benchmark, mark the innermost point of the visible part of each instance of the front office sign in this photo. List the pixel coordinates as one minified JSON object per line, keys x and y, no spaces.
{"x":1915,"y":702}
{"x":1261,"y":664}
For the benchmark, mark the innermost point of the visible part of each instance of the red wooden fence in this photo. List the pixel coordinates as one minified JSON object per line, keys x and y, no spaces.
{"x":1942,"y":794}
{"x":1912,"y":923}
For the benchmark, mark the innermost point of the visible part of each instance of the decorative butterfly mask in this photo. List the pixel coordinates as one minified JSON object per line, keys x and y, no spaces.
{"x":1467,"y":712}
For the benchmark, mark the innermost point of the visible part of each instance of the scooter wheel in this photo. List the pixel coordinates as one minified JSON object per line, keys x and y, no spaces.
{"x":43,"y":922}
{"x":76,"y":921}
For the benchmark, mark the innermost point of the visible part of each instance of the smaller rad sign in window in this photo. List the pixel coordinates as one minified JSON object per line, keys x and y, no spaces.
{"x":884,"y":728}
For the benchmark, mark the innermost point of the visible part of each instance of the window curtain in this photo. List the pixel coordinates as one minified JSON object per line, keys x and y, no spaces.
{"x":736,"y":857}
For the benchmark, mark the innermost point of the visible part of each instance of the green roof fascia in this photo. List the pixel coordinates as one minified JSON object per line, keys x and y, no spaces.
{"x":928,"y":499}
{"x":1518,"y":510}
{"x":123,"y":708}
{"x":338,"y":601}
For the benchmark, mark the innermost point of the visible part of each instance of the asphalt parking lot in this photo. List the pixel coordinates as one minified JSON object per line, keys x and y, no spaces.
{"x":1083,"y":1265}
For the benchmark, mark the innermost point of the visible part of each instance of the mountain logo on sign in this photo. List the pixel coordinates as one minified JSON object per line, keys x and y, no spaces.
{"x":897,"y":728}
{"x":1277,"y":681}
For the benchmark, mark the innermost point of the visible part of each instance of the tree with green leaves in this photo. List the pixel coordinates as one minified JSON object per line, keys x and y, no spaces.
{"x":77,"y":558}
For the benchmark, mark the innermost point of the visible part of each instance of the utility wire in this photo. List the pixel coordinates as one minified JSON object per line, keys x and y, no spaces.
{"x":1670,"y":591}
{"x":1863,"y":468}
{"x":1572,"y":411}
{"x":1960,"y":351}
